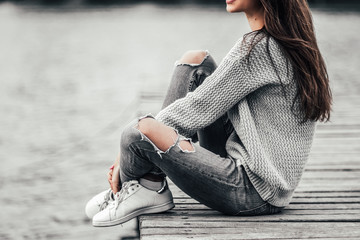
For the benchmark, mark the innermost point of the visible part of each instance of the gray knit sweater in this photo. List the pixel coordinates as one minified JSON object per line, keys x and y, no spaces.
{"x":269,"y":140}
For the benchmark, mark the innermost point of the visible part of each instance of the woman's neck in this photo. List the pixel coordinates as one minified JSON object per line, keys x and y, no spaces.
{"x":256,"y":19}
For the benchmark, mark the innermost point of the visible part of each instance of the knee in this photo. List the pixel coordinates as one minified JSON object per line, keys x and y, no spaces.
{"x":193,"y":57}
{"x":161,"y":135}
{"x":146,"y":126}
{"x":129,"y":135}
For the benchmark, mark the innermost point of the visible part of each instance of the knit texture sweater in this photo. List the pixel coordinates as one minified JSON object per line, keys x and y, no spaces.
{"x":256,"y":89}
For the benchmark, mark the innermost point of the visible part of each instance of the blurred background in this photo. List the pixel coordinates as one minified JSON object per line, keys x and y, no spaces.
{"x":72,"y":73}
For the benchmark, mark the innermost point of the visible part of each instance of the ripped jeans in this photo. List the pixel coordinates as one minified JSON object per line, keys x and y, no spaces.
{"x":206,"y":173}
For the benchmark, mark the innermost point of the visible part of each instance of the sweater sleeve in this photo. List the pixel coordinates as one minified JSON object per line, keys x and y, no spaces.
{"x":231,"y":81}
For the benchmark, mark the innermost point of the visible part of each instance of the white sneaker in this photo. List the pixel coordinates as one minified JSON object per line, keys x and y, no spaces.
{"x":132,"y":201}
{"x":99,"y":203}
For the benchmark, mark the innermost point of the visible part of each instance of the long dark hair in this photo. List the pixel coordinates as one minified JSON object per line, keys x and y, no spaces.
{"x":290,"y":23}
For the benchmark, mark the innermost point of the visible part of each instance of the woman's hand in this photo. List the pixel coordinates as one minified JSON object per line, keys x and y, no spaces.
{"x":113,"y":176}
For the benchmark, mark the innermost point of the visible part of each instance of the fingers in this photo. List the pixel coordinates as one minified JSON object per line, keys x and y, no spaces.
{"x":115,"y":188}
{"x":113,"y":176}
{"x":114,"y":185}
{"x":115,"y":180}
{"x":109,"y":174}
{"x":117,"y":161}
{"x":109,"y":177}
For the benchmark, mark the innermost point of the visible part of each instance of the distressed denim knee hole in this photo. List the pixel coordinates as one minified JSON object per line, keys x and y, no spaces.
{"x":186,"y":145}
{"x":145,"y":138}
{"x":206,"y":53}
{"x":149,"y":115}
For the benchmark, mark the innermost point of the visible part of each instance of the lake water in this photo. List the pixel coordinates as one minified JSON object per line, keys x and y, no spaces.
{"x":70,"y":80}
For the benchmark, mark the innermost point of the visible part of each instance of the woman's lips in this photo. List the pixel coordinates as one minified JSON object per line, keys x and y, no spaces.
{"x":230,"y":1}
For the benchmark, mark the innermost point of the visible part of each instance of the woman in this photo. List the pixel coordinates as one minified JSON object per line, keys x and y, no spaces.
{"x":254,"y":117}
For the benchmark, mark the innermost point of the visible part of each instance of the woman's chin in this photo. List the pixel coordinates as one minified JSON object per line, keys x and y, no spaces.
{"x":231,"y":9}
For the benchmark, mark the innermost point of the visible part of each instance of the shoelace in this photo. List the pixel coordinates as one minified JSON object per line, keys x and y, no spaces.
{"x":107,"y":198}
{"x":124,"y":190}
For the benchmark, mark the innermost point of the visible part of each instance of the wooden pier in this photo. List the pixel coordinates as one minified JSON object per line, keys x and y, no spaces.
{"x":326,"y":204}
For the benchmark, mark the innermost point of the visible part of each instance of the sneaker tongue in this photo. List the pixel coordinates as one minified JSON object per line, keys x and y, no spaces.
{"x":129,"y":183}
{"x":119,"y":196}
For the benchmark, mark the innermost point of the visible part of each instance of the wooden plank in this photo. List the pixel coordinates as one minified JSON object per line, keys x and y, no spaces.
{"x":329,"y":185}
{"x":355,"y":135}
{"x":327,"y":194}
{"x":347,"y":161}
{"x":321,"y":127}
{"x":298,"y":206}
{"x":323,"y":196}
{"x":235,"y":230}
{"x":329,"y":174}
{"x":325,"y":200}
{"x":325,"y":185}
{"x":329,"y":206}
{"x":308,"y":194}
{"x":316,"y":187}
{"x":226,"y":237}
{"x":336,"y":131}
{"x":198,"y":224}
{"x":213,"y":216}
{"x":287,"y":211}
{"x":331,"y":157}
{"x":303,"y":200}
{"x":347,"y":146}
{"x":298,"y":200}
{"x":331,"y":181}
{"x":334,"y":167}
{"x":288,"y":214}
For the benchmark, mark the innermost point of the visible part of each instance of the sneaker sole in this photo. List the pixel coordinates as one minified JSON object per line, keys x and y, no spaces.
{"x":154,"y":209}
